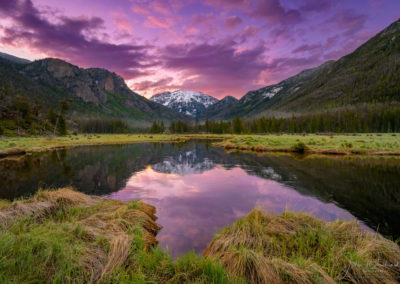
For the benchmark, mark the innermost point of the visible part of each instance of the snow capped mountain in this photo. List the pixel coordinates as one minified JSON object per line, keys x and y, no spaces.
{"x":185,"y":163}
{"x":187,"y":102}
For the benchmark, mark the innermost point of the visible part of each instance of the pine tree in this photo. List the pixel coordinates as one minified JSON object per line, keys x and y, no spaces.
{"x":62,"y":126}
{"x":237,"y":125}
{"x":162,"y":127}
{"x":64,"y":107}
{"x":154,"y":127}
{"x":172,"y":127}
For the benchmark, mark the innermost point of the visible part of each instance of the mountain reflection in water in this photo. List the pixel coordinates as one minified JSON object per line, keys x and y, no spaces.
{"x":192,"y":207}
{"x":199,"y":189}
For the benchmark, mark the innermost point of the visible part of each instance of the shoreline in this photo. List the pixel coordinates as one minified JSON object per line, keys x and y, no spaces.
{"x":370,"y":144}
{"x":309,"y":151}
{"x":12,"y":146}
{"x":325,"y":144}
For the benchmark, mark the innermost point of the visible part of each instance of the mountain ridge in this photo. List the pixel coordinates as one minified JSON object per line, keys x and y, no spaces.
{"x":188,"y":102}
{"x":96,"y":92}
{"x":369,"y":74}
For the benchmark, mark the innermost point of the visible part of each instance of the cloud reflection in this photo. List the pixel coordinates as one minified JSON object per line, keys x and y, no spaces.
{"x":192,"y":207}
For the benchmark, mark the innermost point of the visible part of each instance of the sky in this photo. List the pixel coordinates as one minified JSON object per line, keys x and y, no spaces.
{"x":218,"y":47}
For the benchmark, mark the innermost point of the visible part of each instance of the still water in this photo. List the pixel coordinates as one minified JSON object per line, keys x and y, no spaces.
{"x":199,"y":189}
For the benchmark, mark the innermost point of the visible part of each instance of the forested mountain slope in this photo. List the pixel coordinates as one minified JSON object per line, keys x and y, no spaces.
{"x":95,"y":92}
{"x":370,"y":74}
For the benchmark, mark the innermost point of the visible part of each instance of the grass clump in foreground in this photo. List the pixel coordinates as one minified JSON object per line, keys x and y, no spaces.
{"x":298,"y":248}
{"x":64,"y":236}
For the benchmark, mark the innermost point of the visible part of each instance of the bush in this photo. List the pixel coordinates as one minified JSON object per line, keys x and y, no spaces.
{"x":299,"y":147}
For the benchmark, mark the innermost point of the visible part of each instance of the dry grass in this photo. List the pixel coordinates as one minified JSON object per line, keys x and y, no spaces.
{"x":64,"y":236}
{"x":45,"y":203}
{"x":119,"y":251}
{"x":91,"y":219}
{"x":298,"y":248}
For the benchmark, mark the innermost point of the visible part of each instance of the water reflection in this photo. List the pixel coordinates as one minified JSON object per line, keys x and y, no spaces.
{"x":193,"y":206}
{"x":198,"y":189}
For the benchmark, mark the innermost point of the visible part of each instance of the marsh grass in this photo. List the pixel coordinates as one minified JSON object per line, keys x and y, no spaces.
{"x":43,"y":143}
{"x":298,"y":248}
{"x":21,"y":145}
{"x":64,"y":236}
{"x":315,"y":143}
{"x":378,"y":144}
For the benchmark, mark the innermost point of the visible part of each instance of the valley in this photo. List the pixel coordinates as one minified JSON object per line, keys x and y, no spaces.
{"x":246,"y":141}
{"x":370,"y":72}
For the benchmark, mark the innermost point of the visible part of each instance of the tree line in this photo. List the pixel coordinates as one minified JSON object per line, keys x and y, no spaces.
{"x":102,"y":125}
{"x":362,"y":118}
{"x":22,"y":115}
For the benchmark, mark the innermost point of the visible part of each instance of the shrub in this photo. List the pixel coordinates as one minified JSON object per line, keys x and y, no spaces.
{"x":299,"y":147}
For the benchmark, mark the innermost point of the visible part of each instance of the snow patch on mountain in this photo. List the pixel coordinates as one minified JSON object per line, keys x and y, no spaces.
{"x":188,"y":102}
{"x":272,"y":92}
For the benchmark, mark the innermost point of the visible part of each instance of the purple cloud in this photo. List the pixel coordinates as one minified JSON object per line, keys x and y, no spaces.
{"x":211,"y":63}
{"x":316,"y":5}
{"x":147,"y":84}
{"x":348,"y":21}
{"x":69,"y":41}
{"x":215,"y":46}
{"x":307,"y":48}
{"x":232,"y":22}
{"x":249,"y":32}
{"x":214,"y":59}
{"x":275,"y":13}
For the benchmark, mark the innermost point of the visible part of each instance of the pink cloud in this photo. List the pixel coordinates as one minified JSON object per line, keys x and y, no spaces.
{"x":153,"y":22}
{"x":121,"y":21}
{"x":140,"y":10}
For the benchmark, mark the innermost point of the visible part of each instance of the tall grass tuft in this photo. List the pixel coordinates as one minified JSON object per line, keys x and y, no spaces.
{"x":298,"y":248}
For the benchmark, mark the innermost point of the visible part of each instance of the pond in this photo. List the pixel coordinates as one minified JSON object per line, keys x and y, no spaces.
{"x":198,"y":189}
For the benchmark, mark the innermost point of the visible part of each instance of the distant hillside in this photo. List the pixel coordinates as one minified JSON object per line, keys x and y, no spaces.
{"x":369,"y":74}
{"x":95,"y":92}
{"x":186,"y":102}
{"x":221,"y":110}
{"x":14,"y":58}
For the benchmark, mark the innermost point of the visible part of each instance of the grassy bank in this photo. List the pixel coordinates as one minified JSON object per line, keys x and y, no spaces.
{"x":42,"y":143}
{"x":65,"y":236}
{"x":312,"y":143}
{"x":21,"y":145}
{"x":375,"y":144}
